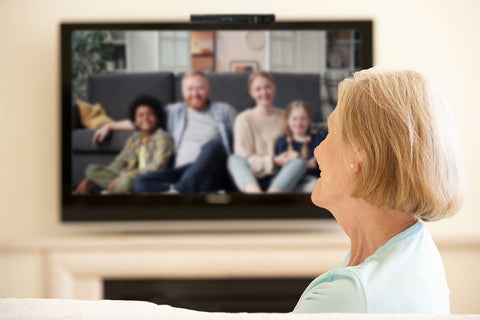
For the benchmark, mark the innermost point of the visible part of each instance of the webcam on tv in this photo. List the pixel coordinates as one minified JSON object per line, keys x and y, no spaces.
{"x":233,"y":18}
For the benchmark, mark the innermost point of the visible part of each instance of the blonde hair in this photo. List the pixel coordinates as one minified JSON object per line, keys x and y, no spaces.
{"x":260,"y":73}
{"x":405,"y":135}
{"x":302,"y":105}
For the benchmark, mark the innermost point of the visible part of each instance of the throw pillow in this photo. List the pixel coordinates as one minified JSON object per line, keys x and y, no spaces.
{"x":92,"y":116}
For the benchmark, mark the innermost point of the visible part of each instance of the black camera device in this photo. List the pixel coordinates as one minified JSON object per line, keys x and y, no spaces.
{"x":233,"y":18}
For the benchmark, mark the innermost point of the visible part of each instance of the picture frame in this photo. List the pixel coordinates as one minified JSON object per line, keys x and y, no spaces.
{"x":244,"y":66}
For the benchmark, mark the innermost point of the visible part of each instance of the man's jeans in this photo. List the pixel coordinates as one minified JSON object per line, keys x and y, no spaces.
{"x":206,"y":174}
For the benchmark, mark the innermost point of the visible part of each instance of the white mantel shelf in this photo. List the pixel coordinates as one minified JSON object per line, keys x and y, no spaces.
{"x":253,"y":241}
{"x":331,"y":237}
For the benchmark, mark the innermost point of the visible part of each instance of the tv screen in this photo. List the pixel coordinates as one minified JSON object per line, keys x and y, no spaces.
{"x":106,"y":67}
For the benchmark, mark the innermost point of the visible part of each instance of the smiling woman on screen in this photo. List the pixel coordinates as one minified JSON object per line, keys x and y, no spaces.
{"x":390,"y":160}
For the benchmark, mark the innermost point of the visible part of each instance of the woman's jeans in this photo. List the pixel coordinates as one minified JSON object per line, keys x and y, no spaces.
{"x":286,"y":179}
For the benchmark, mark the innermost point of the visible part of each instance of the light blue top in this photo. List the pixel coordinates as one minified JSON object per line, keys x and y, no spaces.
{"x":405,"y":275}
{"x":223,"y":114}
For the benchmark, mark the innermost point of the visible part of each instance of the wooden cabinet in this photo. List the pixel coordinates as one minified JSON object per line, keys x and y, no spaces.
{"x":202,"y":50}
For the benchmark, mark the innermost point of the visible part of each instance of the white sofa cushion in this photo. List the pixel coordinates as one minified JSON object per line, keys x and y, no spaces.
{"x":56,"y":309}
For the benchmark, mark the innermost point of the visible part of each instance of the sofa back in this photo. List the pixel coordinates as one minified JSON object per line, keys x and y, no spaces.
{"x":299,"y":86}
{"x":115,"y":91}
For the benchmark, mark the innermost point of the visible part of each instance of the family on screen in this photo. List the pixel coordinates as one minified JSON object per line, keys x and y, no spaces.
{"x":204,"y":146}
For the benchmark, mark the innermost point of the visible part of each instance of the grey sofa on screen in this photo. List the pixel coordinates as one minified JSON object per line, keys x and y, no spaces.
{"x":115,"y":91}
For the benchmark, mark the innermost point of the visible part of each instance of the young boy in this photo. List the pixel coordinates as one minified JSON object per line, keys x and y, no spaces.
{"x":147,"y":149}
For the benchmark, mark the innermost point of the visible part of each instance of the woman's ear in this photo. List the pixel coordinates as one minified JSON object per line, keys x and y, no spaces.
{"x":358,"y":156}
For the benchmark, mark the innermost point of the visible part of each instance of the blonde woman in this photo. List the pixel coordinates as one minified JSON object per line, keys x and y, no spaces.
{"x":390,"y":160}
{"x":254,"y":167}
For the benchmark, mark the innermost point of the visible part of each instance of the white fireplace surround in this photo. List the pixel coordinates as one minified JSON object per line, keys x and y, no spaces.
{"x":76,"y":268}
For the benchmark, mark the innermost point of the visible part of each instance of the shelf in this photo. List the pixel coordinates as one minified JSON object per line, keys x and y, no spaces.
{"x":202,"y":55}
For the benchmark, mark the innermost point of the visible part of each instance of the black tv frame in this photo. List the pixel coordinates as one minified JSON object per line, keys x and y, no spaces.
{"x":185,"y":207}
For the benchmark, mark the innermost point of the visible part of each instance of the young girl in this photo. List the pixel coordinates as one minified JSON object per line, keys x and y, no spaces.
{"x":300,"y":139}
{"x":147,"y":149}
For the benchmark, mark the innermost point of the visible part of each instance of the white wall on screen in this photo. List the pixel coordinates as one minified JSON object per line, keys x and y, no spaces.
{"x":142,"y":53}
{"x":231,"y":46}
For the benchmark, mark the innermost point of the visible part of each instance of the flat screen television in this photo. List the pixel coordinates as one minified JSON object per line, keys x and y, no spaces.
{"x":110,"y":63}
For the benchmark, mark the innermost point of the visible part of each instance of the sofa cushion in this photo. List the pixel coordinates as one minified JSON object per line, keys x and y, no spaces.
{"x":92,"y":116}
{"x":114,"y":142}
{"x":63,"y":309}
{"x":116,"y":91}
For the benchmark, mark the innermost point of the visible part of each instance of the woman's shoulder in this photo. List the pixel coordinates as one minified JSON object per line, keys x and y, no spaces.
{"x":339,"y":278}
{"x":244,"y":116}
{"x":337,"y":290}
{"x":245,"y":113}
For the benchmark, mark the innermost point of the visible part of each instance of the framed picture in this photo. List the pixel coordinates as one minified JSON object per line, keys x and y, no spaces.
{"x":244,"y":66}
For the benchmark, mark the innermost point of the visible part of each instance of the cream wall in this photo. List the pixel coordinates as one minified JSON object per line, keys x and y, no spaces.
{"x":439,"y":38}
